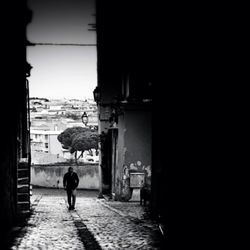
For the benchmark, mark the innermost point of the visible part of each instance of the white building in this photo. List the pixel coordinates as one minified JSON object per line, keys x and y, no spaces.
{"x":46,"y":141}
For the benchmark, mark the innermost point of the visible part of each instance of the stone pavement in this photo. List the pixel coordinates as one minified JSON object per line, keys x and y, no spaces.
{"x":129,"y":209}
{"x":95,"y":224}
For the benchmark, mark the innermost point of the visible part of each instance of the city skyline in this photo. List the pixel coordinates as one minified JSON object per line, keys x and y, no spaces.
{"x":62,"y":71}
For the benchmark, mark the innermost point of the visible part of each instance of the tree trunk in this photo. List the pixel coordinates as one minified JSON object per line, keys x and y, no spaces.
{"x":76,"y":158}
{"x":81,"y":155}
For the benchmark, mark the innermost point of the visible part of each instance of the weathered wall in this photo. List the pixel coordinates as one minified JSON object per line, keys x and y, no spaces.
{"x":138,"y":137}
{"x":134,"y":148}
{"x":48,"y":176}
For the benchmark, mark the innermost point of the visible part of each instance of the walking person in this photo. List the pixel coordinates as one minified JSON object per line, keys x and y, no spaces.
{"x":70,"y":183}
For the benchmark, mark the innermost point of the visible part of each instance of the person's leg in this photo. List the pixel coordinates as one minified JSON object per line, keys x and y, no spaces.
{"x":69,"y":194}
{"x":73,"y":198}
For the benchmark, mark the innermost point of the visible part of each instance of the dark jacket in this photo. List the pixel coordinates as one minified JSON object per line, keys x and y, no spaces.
{"x":70,"y":181}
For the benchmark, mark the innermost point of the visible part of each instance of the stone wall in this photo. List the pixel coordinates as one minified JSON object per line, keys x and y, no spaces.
{"x":52,"y":175}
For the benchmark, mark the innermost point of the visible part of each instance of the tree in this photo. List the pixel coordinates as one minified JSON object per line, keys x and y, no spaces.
{"x":79,"y":139}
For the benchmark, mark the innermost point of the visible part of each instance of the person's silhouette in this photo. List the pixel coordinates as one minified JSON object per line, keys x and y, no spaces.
{"x":70,"y":183}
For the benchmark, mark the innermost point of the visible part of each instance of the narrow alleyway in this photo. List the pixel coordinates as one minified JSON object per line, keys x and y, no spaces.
{"x":95,"y":224}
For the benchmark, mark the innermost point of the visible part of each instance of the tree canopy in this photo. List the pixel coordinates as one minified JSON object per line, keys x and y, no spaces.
{"x":79,"y":139}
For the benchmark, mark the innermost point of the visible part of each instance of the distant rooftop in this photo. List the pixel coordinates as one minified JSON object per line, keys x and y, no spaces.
{"x":45,"y":132}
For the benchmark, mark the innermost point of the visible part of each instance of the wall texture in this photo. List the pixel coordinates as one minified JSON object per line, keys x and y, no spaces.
{"x":52,"y":175}
{"x":134,"y":148}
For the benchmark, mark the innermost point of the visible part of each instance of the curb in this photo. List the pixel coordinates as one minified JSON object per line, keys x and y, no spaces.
{"x":103,"y":202}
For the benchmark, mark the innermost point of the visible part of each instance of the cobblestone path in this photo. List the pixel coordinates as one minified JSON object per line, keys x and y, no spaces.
{"x":114,"y":231}
{"x":50,"y":227}
{"x":92,"y":226}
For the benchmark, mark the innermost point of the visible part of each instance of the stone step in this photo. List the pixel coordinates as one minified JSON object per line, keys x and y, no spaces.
{"x":23,"y":197}
{"x":21,"y":189}
{"x":23,"y":205}
{"x":21,"y":169}
{"x":23,"y":163}
{"x":24,"y":180}
{"x":23,"y":214}
{"x":21,"y":173}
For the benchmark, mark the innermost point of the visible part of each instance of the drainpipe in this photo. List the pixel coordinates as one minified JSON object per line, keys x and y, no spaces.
{"x":100,"y":195}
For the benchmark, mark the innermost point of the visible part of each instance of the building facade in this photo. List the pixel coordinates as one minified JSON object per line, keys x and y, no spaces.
{"x":15,"y":147}
{"x":46,"y":141}
{"x":124,"y":102}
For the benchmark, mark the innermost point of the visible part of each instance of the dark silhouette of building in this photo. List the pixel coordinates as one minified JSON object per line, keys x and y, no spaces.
{"x":15,"y":146}
{"x":125,"y":88}
{"x":152,"y":97}
{"x":127,"y":53}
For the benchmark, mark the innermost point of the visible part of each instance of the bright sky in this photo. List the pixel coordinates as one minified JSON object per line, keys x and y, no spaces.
{"x":62,"y":71}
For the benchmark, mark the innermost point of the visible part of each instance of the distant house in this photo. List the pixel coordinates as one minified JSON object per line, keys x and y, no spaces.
{"x":48,"y":124}
{"x":71,"y":124}
{"x":57,"y":111}
{"x":46,"y":141}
